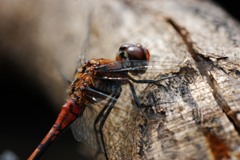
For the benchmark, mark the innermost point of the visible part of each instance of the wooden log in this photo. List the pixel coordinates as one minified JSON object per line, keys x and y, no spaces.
{"x":190,"y":117}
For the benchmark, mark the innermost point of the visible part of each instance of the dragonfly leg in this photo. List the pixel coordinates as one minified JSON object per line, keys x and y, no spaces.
{"x":101,"y":114}
{"x":116,"y":96}
{"x":136,"y":100}
{"x":130,"y":80}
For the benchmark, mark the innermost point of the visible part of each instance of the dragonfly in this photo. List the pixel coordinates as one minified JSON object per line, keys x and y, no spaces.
{"x":96,"y":80}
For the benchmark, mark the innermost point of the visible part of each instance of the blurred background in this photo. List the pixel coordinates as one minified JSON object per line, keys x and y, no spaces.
{"x":40,"y":42}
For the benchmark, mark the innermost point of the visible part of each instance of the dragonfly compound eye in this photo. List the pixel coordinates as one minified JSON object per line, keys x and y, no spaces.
{"x":132,"y":52}
{"x":125,"y":46}
{"x":122,"y":56}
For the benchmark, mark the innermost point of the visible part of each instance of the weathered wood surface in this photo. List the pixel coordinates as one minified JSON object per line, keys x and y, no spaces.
{"x":194,"y":117}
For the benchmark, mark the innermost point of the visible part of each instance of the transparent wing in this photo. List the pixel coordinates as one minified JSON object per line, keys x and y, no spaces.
{"x":136,"y":65}
{"x":83,"y":127}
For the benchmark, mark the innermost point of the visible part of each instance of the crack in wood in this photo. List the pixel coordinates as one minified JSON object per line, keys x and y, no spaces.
{"x":203,"y":64}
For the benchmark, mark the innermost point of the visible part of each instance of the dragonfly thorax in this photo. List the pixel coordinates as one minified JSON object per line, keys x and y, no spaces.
{"x":89,"y":84}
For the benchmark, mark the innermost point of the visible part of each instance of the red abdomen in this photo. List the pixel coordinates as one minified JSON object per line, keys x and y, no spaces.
{"x":67,"y":115}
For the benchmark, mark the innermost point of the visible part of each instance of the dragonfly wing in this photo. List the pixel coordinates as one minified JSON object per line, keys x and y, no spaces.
{"x":116,"y":127}
{"x":83,"y":127}
{"x":136,"y":65}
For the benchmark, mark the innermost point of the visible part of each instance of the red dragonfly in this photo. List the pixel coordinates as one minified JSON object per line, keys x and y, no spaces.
{"x":96,"y":80}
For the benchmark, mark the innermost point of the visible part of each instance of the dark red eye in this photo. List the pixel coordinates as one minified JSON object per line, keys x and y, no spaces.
{"x":125,"y":46}
{"x":132,"y":52}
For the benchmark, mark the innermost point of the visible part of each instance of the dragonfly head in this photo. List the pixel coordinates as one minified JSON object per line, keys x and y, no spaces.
{"x":132,"y":52}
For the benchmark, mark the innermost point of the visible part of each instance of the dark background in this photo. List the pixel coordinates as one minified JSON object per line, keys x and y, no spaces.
{"x":230,"y":6}
{"x":22,"y":100}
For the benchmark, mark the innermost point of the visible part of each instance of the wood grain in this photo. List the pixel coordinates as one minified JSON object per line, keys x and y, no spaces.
{"x":194,"y":117}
